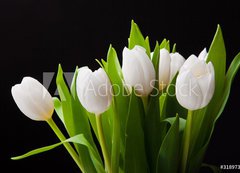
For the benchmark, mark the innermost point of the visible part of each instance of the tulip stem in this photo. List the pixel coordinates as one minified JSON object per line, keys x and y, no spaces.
{"x":186,"y":141}
{"x":145,"y":103}
{"x":116,"y":141}
{"x":103,"y":144}
{"x":68,"y":147}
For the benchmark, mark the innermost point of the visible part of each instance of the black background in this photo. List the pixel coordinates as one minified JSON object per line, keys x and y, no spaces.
{"x":37,"y":35}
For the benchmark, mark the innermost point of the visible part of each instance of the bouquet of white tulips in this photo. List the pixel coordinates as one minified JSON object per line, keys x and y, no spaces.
{"x":154,"y":114}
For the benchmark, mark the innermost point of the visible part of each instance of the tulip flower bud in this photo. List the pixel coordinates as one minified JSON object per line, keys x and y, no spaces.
{"x":169,"y":64}
{"x":33,"y":99}
{"x":138,"y":70}
{"x":195,"y":82}
{"x":94,"y":90}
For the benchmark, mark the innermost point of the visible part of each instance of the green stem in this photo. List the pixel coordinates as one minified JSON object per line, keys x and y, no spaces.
{"x":186,"y":142}
{"x":103,"y":143}
{"x":115,"y":143}
{"x":68,"y":147}
{"x":145,"y":103}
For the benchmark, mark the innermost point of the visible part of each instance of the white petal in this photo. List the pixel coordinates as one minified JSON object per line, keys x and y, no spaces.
{"x":33,"y":99}
{"x":177,"y":61}
{"x":105,"y":87}
{"x":138,"y":70}
{"x":189,"y":63}
{"x":210,"y":68}
{"x":131,"y":68}
{"x":94,"y":90}
{"x":210,"y":82}
{"x":188,"y":92}
{"x":97,"y":99}
{"x":39,"y":96}
{"x":22,"y":102}
{"x":203,"y":55}
{"x":83,"y":83}
{"x":164,"y":68}
{"x":140,"y":49}
{"x":206,"y":85}
{"x":199,"y":68}
{"x":148,"y":73}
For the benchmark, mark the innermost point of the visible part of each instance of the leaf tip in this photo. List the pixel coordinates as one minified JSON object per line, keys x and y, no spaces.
{"x":101,"y":65}
{"x":132,"y":22}
{"x":60,"y":71}
{"x":12,"y":158}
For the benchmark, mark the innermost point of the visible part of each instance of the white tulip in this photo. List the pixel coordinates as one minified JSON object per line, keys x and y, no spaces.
{"x":94,"y":90}
{"x":33,"y":99}
{"x":138,"y":70}
{"x":195,"y":82}
{"x":169,"y":64}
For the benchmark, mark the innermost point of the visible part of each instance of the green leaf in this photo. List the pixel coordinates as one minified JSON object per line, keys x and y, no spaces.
{"x":153,"y":127}
{"x":101,"y":64}
{"x":136,"y":38}
{"x":58,"y":108}
{"x":165,"y":44}
{"x":182,"y":122}
{"x":107,"y":123}
{"x":155,"y":58}
{"x":105,"y":65}
{"x":171,"y":107}
{"x":174,"y":48}
{"x":135,"y":156}
{"x":79,"y":139}
{"x":38,"y":151}
{"x":118,"y":115}
{"x":162,"y":104}
{"x":168,"y":156}
{"x":75,"y":118}
{"x":121,"y":99}
{"x":92,"y":120}
{"x":232,"y":71}
{"x":217,"y":55}
{"x":148,"y":46}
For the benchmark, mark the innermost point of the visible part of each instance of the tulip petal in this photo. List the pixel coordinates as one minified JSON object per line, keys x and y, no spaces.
{"x":138,"y":70}
{"x":164,"y":68}
{"x":39,"y":96}
{"x":20,"y":99}
{"x":83,"y":83}
{"x":132,"y":71}
{"x":105,"y":84}
{"x":94,"y":90}
{"x":203,"y":55}
{"x":177,"y":61}
{"x":209,"y":85}
{"x":199,"y":68}
{"x":147,"y":67}
{"x":188,"y":92}
{"x":33,"y":99}
{"x":95,"y":100}
{"x":192,"y":60}
{"x":139,"y":49}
